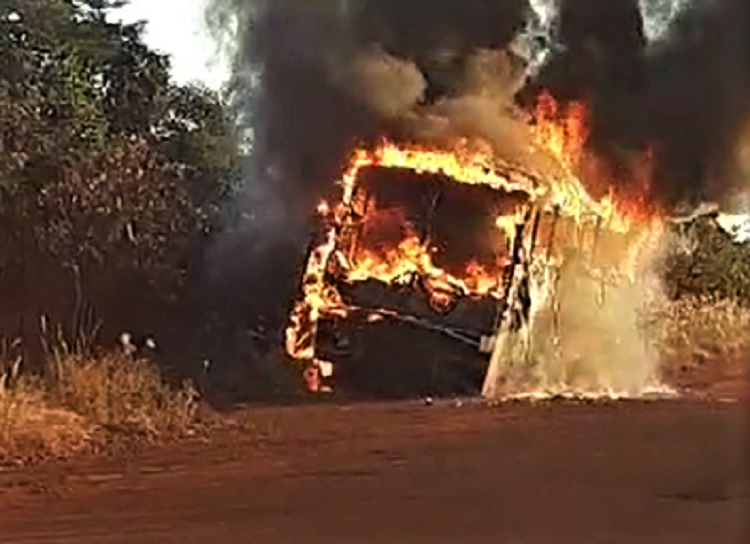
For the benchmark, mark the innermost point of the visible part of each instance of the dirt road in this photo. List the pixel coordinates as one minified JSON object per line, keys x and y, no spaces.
{"x":632,"y":472}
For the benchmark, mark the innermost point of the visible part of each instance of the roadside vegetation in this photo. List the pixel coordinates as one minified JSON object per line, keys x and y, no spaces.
{"x":703,"y":332}
{"x":112,"y":177}
{"x":111,"y":182}
{"x":87,"y":399}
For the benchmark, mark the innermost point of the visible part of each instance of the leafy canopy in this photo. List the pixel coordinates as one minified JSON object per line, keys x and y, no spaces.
{"x":101,"y":156}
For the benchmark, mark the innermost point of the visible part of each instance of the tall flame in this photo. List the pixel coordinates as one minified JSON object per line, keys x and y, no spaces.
{"x":563,"y":133}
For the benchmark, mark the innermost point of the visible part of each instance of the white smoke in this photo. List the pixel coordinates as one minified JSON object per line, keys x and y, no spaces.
{"x":659,"y":16}
{"x":584,"y":335}
{"x":536,"y":42}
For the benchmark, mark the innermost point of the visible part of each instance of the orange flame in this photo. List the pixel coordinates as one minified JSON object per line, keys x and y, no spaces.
{"x":412,"y":257}
{"x":564,"y":132}
{"x":561,"y":132}
{"x":479,"y":167}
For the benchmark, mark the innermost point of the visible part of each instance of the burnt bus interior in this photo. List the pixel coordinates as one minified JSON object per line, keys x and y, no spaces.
{"x":409,"y":336}
{"x":427,"y":333}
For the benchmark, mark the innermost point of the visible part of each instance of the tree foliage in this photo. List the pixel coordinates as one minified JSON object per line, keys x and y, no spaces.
{"x":104,"y":161}
{"x":707,"y":262}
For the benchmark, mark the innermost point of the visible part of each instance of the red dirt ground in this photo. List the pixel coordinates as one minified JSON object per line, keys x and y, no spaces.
{"x":645,"y":472}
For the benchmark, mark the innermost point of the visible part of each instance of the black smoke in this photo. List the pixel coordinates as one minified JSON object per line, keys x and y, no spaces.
{"x":304,"y":73}
{"x":687,"y":98}
{"x":697,"y":100}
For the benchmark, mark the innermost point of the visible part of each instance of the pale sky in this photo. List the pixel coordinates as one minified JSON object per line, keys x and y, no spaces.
{"x":176,"y":27}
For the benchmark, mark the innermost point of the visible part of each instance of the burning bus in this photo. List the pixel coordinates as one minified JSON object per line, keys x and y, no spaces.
{"x":450,"y":270}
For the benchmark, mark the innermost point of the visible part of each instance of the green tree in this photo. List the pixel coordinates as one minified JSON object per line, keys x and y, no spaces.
{"x":106,"y":167}
{"x":707,"y":262}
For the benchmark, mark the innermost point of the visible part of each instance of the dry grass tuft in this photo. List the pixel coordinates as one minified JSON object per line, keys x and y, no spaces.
{"x":120,"y":394}
{"x":30,"y":427}
{"x":703,"y":338}
{"x":85,"y":399}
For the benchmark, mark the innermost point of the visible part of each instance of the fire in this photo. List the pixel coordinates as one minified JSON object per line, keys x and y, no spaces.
{"x":413,"y":257}
{"x":323,"y":208}
{"x":562,"y":133}
{"x":477,"y":166}
{"x":463,"y":164}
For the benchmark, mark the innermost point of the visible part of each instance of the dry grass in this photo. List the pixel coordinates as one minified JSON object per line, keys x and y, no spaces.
{"x":31,"y":427}
{"x":84,"y":400}
{"x":705,"y":338}
{"x":29,"y":424}
{"x":120,"y":394}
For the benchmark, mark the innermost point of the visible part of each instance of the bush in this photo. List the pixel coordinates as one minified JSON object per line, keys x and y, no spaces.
{"x":86,"y":399}
{"x":703,"y":333}
{"x":31,"y":427}
{"x":112,"y":176}
{"x":120,"y":394}
{"x":706,"y":262}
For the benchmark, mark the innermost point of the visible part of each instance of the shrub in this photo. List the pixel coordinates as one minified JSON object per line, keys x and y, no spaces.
{"x":31,"y":427}
{"x":119,"y":393}
{"x":85,"y":399}
{"x":706,"y":262}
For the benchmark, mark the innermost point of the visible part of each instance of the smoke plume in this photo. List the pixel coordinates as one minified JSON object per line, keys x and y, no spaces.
{"x":696,"y":96}
{"x":536,"y":42}
{"x":659,"y":15}
{"x":317,"y":77}
{"x":668,"y":77}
